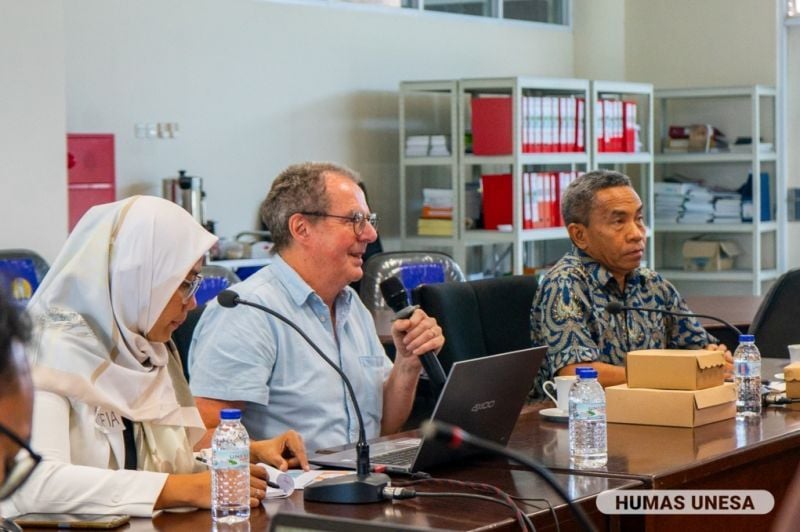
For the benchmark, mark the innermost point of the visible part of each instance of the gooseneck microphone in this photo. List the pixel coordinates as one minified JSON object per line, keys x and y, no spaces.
{"x":363,"y":486}
{"x":455,"y":437}
{"x":615,"y":307}
{"x":394,"y":293}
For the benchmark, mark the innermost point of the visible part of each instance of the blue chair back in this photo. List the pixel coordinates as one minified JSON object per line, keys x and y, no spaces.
{"x":21,"y":271}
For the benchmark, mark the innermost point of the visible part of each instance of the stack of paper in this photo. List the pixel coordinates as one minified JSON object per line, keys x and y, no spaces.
{"x":417,"y":145}
{"x":698,"y":207}
{"x":727,"y":207}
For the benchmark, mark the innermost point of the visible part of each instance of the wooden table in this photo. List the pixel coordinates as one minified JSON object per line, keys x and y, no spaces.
{"x":722,"y":455}
{"x":433,"y":513}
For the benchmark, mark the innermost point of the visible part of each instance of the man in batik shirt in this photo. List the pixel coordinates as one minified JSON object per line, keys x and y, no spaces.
{"x":603,"y":215}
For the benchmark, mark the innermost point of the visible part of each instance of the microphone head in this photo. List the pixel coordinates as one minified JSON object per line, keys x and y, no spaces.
{"x":614,"y":307}
{"x":228,"y":298}
{"x":394,"y":293}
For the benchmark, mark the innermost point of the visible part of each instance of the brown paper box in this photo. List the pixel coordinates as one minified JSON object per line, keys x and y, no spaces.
{"x":791,"y":374}
{"x":671,"y":408}
{"x":675,"y":369}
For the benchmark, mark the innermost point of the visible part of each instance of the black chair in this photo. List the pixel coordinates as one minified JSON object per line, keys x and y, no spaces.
{"x":775,"y":323}
{"x":182,"y":336}
{"x":480,"y":318}
{"x":21,"y":272}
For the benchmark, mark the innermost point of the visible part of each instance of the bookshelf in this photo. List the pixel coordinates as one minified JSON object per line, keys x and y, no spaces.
{"x":738,"y":112}
{"x":521,"y":151}
{"x":638,"y":161}
{"x":427,"y":109}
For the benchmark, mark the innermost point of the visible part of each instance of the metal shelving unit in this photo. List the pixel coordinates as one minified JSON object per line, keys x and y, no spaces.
{"x":739,"y":111}
{"x":518,"y":248}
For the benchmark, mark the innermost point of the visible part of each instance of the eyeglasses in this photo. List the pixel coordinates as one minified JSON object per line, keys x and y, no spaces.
{"x":18,"y":468}
{"x":189,"y":288}
{"x":359,"y":219}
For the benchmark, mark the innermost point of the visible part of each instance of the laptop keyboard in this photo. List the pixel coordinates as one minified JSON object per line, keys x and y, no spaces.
{"x":401,"y":457}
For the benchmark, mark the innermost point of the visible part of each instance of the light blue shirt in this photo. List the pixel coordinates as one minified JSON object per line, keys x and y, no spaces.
{"x":244,"y":354}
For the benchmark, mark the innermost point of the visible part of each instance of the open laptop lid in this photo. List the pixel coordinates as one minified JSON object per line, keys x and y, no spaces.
{"x":483,"y":396}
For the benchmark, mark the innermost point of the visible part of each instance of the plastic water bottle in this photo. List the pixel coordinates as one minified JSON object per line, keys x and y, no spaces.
{"x":587,"y":421}
{"x":747,"y":378}
{"x":230,"y":469}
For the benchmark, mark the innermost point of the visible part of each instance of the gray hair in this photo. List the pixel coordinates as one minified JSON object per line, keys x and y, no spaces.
{"x":299,"y":188}
{"x":576,"y":203}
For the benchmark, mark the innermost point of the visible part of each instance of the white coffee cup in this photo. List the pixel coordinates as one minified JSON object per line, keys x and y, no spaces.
{"x":561,"y":388}
{"x":794,"y":352}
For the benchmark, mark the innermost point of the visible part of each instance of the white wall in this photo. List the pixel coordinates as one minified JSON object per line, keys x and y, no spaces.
{"x":686,"y":43}
{"x":33,"y":182}
{"x":599,"y":39}
{"x":257,"y":85}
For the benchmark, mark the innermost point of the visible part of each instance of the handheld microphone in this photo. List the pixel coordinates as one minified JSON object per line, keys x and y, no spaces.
{"x":455,"y":437}
{"x":394,"y":293}
{"x":363,"y":486}
{"x":615,"y":307}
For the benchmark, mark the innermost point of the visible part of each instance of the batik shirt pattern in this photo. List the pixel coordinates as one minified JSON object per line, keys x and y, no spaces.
{"x":569,"y":316}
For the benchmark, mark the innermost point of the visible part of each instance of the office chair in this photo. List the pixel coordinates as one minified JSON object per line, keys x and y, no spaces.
{"x":21,"y":272}
{"x":480,"y":318}
{"x":775,"y":322}
{"x":216,"y":278}
{"x":412,"y":268}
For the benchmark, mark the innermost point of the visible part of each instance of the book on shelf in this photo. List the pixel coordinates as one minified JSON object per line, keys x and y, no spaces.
{"x":434,"y":227}
{"x":427,"y":145}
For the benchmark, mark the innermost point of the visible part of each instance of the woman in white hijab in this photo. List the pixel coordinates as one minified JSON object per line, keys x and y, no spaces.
{"x":102,"y":358}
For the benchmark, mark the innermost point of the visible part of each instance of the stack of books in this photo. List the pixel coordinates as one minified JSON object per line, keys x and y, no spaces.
{"x":727,"y":208}
{"x":437,"y":212}
{"x":438,"y":146}
{"x":669,"y":199}
{"x":417,"y":145}
{"x":698,"y":207}
{"x":427,"y":145}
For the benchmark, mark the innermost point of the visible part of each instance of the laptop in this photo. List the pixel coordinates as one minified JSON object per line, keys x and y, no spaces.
{"x":483,"y":396}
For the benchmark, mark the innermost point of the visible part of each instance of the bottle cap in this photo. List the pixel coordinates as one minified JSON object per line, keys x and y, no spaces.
{"x":230,"y":413}
{"x":586,"y":373}
{"x":746,"y":338}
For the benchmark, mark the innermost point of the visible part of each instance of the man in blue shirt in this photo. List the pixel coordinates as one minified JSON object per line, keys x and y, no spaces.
{"x":603,"y":215}
{"x":321,"y":225}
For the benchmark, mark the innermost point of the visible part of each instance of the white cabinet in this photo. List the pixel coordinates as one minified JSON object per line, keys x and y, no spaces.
{"x":542,"y":138}
{"x":740,"y":113}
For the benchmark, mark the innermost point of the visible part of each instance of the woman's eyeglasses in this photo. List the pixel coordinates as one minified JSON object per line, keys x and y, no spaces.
{"x":19,"y":467}
{"x":189,"y":287}
{"x":359,"y":219}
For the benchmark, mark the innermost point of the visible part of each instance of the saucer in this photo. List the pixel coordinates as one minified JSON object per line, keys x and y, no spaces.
{"x":779,"y":376}
{"x":554,"y":414}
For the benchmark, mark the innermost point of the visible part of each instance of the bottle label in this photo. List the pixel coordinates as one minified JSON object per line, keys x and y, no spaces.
{"x":230,"y":458}
{"x":744,"y":368}
{"x":590,"y":411}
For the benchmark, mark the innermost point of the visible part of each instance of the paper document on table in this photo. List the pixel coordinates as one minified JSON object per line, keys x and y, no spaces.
{"x":295,"y":479}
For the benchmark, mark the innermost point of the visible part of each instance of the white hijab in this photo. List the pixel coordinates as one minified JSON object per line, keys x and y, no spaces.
{"x":104,"y":292}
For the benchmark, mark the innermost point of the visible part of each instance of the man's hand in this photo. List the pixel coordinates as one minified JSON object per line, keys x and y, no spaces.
{"x":283,"y":452}
{"x":728,"y":358}
{"x":415,"y":336}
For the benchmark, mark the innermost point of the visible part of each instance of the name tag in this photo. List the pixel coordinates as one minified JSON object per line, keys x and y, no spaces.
{"x":108,"y":421}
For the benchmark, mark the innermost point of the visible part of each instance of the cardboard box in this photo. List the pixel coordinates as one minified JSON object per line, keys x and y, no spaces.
{"x":675,"y":369}
{"x":791,"y":374}
{"x":671,"y":408}
{"x":709,"y":255}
